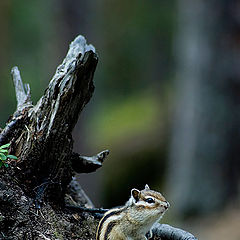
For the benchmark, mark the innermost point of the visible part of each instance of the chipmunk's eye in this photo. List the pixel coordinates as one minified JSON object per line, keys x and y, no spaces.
{"x":150,"y":200}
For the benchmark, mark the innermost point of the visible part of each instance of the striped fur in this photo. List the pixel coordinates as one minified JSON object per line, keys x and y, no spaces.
{"x":112,"y":216}
{"x":134,"y":220}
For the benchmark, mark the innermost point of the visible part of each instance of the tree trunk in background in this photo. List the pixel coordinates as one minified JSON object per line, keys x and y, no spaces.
{"x":4,"y":54}
{"x":204,"y":169}
{"x":76,"y":16}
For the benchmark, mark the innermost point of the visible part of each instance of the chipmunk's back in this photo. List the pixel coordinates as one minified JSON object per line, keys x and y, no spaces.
{"x":134,"y":220}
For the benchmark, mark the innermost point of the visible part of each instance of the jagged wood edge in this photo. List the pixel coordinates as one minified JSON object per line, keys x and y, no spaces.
{"x":24,"y":104}
{"x":23,"y":93}
{"x":23,"y":97}
{"x":84,"y":164}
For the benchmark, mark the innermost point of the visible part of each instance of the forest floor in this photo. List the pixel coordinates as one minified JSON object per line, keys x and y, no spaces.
{"x":218,"y":226}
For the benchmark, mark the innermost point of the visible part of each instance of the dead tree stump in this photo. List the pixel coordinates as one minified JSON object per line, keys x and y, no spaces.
{"x":33,"y":188}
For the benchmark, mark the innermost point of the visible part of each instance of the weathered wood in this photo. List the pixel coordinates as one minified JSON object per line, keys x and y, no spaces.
{"x":43,"y":141}
{"x":76,"y":196}
{"x":23,"y":94}
{"x":83,"y":164}
{"x":167,"y":232}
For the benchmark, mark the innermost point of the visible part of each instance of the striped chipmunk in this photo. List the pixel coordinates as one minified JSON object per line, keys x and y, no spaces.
{"x":135,"y":219}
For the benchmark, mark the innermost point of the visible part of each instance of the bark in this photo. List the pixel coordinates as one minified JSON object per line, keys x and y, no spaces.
{"x":42,"y":133}
{"x":39,"y":196}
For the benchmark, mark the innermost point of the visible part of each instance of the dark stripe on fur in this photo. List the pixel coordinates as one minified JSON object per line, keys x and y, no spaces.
{"x":109,"y":229}
{"x":117,"y":212}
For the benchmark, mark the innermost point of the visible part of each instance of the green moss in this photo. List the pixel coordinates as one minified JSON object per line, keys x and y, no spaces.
{"x":58,"y":235}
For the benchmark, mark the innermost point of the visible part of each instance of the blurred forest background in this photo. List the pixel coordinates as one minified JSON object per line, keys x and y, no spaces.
{"x":166,"y":103}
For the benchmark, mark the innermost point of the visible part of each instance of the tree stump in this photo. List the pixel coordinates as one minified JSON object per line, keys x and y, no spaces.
{"x":35,"y":188}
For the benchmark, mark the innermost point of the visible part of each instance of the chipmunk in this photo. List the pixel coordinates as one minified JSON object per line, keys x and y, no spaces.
{"x":134,"y":220}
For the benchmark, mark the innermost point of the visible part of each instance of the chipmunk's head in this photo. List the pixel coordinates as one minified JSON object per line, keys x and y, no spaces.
{"x":149,"y":202}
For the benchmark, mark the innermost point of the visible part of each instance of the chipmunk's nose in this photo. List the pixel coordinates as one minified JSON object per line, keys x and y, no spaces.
{"x":167,"y":205}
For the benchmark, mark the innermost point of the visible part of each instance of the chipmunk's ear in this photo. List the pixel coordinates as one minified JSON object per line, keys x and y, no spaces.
{"x":135,"y":194}
{"x":147,"y":187}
